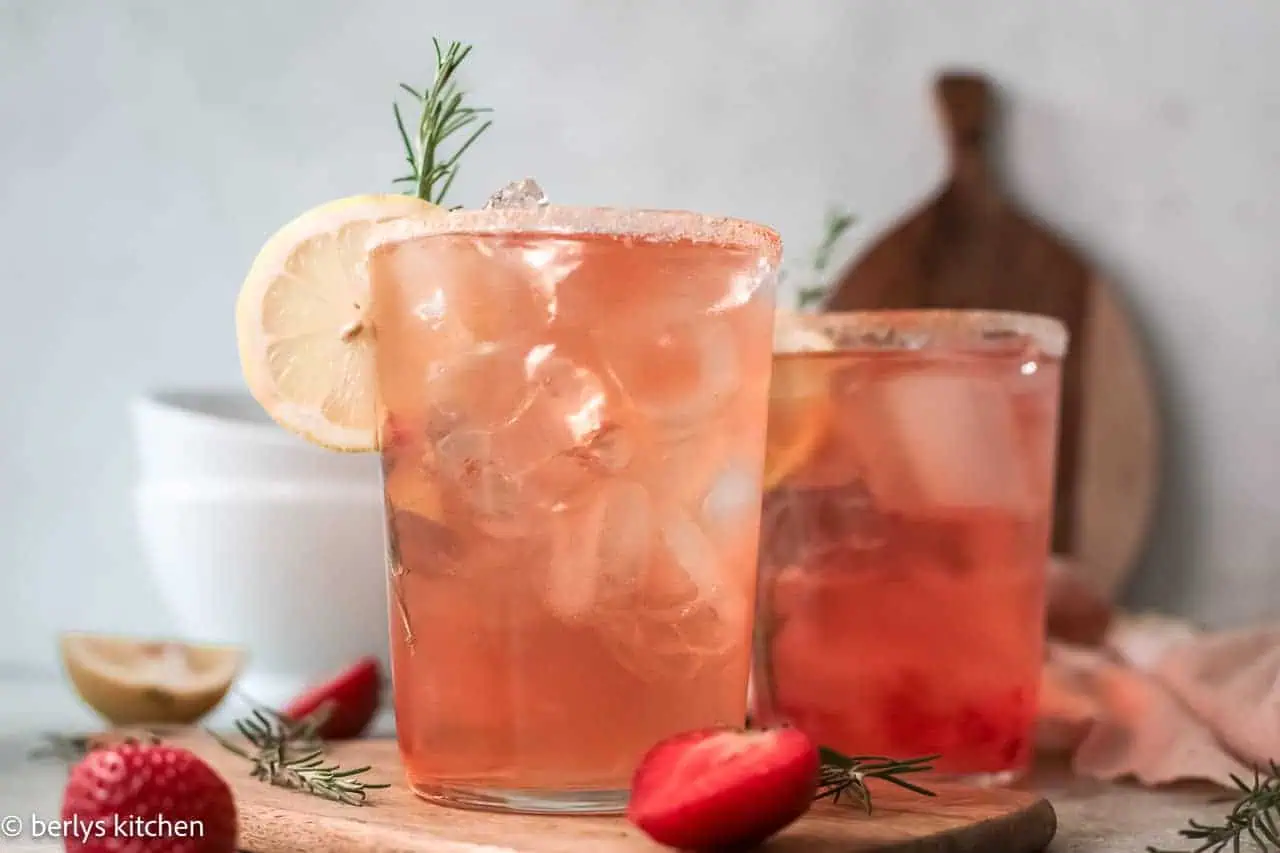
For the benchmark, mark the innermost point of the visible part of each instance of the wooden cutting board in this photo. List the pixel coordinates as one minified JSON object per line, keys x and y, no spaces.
{"x":274,"y":820}
{"x":971,"y":247}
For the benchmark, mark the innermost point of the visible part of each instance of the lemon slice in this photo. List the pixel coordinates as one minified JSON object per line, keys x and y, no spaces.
{"x":799,"y":397}
{"x":302,"y":323}
{"x":132,"y":681}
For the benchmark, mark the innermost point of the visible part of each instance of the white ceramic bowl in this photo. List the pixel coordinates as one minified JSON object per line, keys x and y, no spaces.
{"x":293,"y":571}
{"x":188,"y":435}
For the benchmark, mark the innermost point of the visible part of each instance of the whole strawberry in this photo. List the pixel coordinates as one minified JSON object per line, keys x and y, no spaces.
{"x":144,"y":798}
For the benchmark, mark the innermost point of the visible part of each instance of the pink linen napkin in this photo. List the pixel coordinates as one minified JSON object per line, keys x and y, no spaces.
{"x":1152,"y":698}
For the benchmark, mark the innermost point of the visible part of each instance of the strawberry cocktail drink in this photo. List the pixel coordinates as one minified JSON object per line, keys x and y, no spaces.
{"x":572,"y":416}
{"x":907,"y":507}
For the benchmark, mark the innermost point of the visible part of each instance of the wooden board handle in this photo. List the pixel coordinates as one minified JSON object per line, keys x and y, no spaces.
{"x":964,"y":104}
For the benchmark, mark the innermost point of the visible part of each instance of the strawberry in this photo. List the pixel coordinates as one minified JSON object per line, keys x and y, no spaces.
{"x":351,"y":699}
{"x":147,"y":798}
{"x":724,"y":789}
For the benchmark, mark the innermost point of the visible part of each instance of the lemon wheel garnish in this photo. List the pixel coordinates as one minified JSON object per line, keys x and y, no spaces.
{"x":799,"y":409}
{"x":302,"y":321}
{"x":131,"y":681}
{"x":799,"y":398}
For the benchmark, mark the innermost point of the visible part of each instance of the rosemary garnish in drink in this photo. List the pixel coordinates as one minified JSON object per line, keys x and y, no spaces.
{"x":834,"y":227}
{"x":442,"y":114}
{"x":1255,"y":816}
{"x":847,"y":775}
{"x":290,"y":754}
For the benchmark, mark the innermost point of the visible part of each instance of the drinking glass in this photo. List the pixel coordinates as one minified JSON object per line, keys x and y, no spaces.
{"x":905,"y":534}
{"x":573,"y":408}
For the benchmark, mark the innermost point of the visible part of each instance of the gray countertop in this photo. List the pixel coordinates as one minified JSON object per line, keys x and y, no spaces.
{"x":1092,"y":817}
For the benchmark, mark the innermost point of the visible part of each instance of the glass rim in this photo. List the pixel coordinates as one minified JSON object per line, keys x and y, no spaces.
{"x":965,"y":329}
{"x":557,"y":220}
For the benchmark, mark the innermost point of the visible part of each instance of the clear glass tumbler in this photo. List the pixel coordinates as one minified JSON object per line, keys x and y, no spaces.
{"x":907,"y":509}
{"x":573,"y":408}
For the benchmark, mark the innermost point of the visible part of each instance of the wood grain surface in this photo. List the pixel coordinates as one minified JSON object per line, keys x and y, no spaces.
{"x":275,"y":820}
{"x":970,"y":247}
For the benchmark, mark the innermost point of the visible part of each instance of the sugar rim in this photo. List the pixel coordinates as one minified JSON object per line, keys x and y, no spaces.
{"x":957,"y":328}
{"x":556,"y":220}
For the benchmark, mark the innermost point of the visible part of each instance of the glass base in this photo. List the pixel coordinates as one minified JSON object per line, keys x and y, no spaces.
{"x":525,"y":801}
{"x":997,"y":779}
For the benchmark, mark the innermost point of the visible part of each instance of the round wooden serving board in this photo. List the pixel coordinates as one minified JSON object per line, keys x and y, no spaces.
{"x":275,"y":820}
{"x":971,"y":247}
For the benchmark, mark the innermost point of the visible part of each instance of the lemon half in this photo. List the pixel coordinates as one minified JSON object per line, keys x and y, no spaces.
{"x":132,"y":681}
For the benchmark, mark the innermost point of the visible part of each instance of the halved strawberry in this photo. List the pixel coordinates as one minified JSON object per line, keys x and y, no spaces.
{"x":147,"y":798}
{"x":724,"y":789}
{"x":351,"y":700}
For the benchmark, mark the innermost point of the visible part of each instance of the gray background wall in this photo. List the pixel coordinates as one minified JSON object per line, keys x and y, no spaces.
{"x":147,"y":149}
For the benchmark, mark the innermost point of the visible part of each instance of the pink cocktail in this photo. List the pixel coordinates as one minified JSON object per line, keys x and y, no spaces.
{"x":906,"y":525}
{"x":573,"y":408}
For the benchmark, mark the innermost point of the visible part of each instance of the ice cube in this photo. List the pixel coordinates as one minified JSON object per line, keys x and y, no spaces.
{"x":560,"y":480}
{"x":938,"y":435}
{"x":712,"y":616}
{"x":731,"y":505}
{"x":599,"y":550}
{"x":688,"y":576}
{"x":567,"y":395}
{"x":682,"y":468}
{"x":692,"y":559}
{"x":524,"y":430}
{"x":625,"y":523}
{"x":1035,"y":398}
{"x":484,"y":388}
{"x":414,"y":318}
{"x":499,"y":288}
{"x":524,"y":193}
{"x":678,"y":372}
{"x":567,"y":437}
{"x":467,"y":464}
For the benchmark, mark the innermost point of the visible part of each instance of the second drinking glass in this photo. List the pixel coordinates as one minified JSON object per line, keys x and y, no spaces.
{"x":573,"y":428}
{"x":908,"y":501}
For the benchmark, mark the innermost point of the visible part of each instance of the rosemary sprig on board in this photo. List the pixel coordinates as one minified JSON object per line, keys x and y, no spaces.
{"x":71,"y":748}
{"x":291,"y":755}
{"x":847,"y":775}
{"x":67,"y":749}
{"x":443,"y":114}
{"x":1254,"y":817}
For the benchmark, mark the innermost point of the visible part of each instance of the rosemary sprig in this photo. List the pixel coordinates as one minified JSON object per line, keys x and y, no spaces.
{"x":442,"y":114}
{"x":837,"y":223}
{"x":847,"y":775}
{"x":291,"y":754}
{"x":1254,"y":817}
{"x":67,"y":749}
{"x":71,"y":748}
